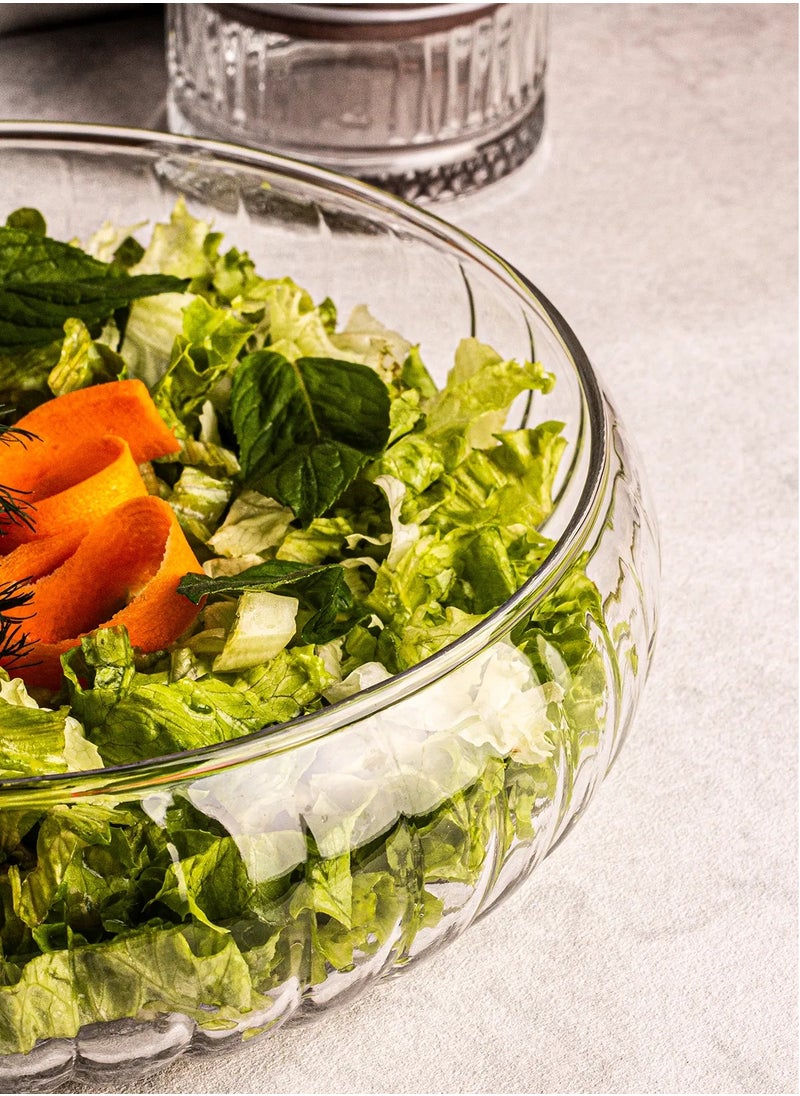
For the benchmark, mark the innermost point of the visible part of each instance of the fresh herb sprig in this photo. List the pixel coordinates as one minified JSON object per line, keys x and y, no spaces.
{"x":44,"y":282}
{"x":15,"y":645}
{"x":14,"y":508}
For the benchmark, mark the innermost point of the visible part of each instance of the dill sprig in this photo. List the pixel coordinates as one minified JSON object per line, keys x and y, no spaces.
{"x":14,"y":642}
{"x":10,"y":433}
{"x":14,"y":508}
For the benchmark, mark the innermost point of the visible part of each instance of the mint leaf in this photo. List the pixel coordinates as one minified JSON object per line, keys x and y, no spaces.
{"x":313,"y":477}
{"x":306,"y":428}
{"x":269,"y":576}
{"x":44,"y":282}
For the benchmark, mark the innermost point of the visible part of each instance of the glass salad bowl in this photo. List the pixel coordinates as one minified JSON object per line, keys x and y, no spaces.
{"x":193,"y":902}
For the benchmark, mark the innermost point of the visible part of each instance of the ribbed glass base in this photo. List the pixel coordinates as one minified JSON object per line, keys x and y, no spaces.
{"x":425,"y":111}
{"x":486,"y":164}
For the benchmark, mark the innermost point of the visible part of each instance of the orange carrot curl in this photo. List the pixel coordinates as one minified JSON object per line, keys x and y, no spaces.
{"x":124,"y":571}
{"x":102,"y":551}
{"x":83,"y":459}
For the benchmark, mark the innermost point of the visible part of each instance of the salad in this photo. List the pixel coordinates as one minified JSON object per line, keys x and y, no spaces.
{"x":223,"y":508}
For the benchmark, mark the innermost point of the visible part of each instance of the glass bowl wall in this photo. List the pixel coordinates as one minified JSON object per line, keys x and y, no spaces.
{"x":352,"y":842}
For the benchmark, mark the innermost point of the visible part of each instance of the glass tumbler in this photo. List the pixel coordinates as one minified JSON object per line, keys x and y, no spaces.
{"x":424,"y":100}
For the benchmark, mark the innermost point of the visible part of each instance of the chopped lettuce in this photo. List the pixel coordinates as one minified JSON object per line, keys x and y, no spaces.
{"x":83,"y":361}
{"x":351,"y":520}
{"x":263,"y":625}
{"x":199,"y":500}
{"x":36,"y":740}
{"x":480,"y":389}
{"x":296,"y":328}
{"x":365,"y":339}
{"x":177,"y":246}
{"x":254,"y":524}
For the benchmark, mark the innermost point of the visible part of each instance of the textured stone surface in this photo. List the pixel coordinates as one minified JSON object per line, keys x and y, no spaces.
{"x":656,"y":950}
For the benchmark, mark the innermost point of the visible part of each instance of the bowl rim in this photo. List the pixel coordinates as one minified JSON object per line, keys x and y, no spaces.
{"x":302,"y":730}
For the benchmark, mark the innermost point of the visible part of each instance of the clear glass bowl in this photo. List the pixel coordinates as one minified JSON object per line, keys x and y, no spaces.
{"x":352,"y":842}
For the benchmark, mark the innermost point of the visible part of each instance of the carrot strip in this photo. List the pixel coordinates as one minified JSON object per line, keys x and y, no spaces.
{"x":94,"y":479}
{"x":118,"y":407}
{"x":102,"y":551}
{"x":39,"y":557}
{"x":125,"y":570}
{"x":64,"y":425}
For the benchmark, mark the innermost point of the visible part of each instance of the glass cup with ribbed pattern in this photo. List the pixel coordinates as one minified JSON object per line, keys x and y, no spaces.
{"x":426,"y":100}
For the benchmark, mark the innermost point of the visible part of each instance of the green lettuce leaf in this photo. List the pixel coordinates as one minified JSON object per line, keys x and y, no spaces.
{"x":160,"y":717}
{"x":255,"y":523}
{"x":64,"y":832}
{"x":365,"y":339}
{"x":323,"y":539}
{"x":263,"y":625}
{"x":202,"y":354}
{"x":479,"y":391}
{"x":207,"y":881}
{"x":130,"y":715}
{"x":34,"y":740}
{"x":199,"y":500}
{"x":510,"y":485}
{"x":426,"y":631}
{"x":177,"y":247}
{"x":295,"y":327}
{"x":83,"y":361}
{"x":191,"y":969}
{"x":150,"y":333}
{"x":560,"y":641}
{"x":24,"y":374}
{"x":415,"y":375}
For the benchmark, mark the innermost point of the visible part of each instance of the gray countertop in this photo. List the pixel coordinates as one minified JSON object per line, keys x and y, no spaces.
{"x":656,"y":949}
